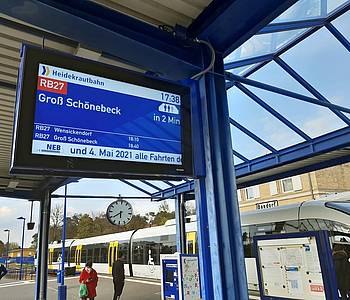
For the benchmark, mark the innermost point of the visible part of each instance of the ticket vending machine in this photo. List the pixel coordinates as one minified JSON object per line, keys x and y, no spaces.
{"x":180,"y":277}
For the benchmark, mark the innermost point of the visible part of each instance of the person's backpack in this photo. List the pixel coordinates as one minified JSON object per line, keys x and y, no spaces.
{"x":83,"y":291}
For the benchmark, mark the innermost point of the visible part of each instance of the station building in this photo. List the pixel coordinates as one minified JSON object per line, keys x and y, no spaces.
{"x":296,"y":189}
{"x":27,"y":252}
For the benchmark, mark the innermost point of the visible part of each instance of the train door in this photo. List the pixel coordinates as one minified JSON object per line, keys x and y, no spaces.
{"x":112,"y":255}
{"x":78,"y":257}
{"x":50,"y":258}
{"x":191,"y":242}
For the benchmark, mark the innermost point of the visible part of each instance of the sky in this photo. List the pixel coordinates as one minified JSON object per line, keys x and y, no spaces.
{"x":320,"y":59}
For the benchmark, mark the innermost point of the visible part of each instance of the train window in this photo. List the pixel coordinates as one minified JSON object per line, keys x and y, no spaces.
{"x":97,"y":255}
{"x":83,"y":256}
{"x":55,"y":254}
{"x":152,"y":253}
{"x":72,"y":255}
{"x":90,"y":254}
{"x":138,"y":253}
{"x":123,"y":251}
{"x":104,"y":255}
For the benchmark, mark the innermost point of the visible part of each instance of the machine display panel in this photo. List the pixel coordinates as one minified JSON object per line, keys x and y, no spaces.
{"x":79,"y":116}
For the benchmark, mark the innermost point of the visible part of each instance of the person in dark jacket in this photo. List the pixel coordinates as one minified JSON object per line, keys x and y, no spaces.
{"x":342,"y":269}
{"x":3,"y":271}
{"x":118,"y":274}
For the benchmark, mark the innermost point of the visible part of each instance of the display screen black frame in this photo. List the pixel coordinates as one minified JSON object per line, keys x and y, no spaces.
{"x":24,"y":162}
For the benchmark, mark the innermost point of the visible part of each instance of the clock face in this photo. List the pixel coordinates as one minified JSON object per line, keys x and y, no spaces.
{"x":119,"y":212}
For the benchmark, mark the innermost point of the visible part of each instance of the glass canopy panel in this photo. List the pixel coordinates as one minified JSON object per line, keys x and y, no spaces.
{"x":274,"y":75}
{"x":302,"y":10}
{"x":263,"y":44}
{"x":324,"y":63}
{"x":245,"y":145}
{"x":343,"y":25}
{"x":332,"y":5}
{"x":310,"y":118}
{"x":236,"y":160}
{"x":259,"y":121}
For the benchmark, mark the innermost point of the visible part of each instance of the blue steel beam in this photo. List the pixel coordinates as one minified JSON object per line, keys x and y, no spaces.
{"x":272,"y":111}
{"x":327,"y":143}
{"x":341,"y":38}
{"x":172,"y":191}
{"x":151,"y":185}
{"x":293,"y":25}
{"x":168,"y":183}
{"x":248,"y":61}
{"x":253,"y":136}
{"x":102,"y":29}
{"x":135,"y":186}
{"x":280,"y":91}
{"x":339,"y":139}
{"x":308,"y":86}
{"x":240,"y":156}
{"x":225,"y":25}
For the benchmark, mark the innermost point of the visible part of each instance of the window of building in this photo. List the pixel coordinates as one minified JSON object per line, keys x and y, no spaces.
{"x":291,"y":184}
{"x":252,"y":192}
{"x":273,"y":188}
{"x":239,"y":195}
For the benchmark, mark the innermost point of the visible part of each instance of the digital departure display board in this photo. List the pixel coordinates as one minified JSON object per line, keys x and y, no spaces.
{"x":76,"y":117}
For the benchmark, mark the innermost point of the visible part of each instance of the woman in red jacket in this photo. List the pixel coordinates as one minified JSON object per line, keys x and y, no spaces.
{"x":89,"y":277}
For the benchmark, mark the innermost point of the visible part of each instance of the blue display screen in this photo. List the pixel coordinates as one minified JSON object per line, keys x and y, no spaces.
{"x":87,"y":116}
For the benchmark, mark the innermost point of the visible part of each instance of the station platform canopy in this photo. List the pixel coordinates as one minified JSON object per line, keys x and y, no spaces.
{"x":285,"y":63}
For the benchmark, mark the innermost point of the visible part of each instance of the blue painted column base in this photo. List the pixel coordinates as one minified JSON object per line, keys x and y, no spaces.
{"x":62,"y":292}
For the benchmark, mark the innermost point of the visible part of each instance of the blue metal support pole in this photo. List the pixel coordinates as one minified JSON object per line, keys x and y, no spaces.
{"x":308,"y":86}
{"x":222,"y":266}
{"x":62,"y":289}
{"x":341,"y":38}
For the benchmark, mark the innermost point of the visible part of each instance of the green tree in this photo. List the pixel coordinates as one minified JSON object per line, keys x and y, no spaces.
{"x":86,"y":227}
{"x":163,"y":215}
{"x":72,"y":225}
{"x":137,"y":222}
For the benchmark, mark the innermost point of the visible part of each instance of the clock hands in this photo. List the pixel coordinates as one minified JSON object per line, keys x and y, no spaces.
{"x":120,"y":214}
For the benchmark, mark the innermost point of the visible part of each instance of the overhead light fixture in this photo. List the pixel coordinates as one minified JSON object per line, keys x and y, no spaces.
{"x":12,"y":184}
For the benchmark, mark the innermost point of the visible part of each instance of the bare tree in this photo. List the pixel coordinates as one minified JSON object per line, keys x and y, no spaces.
{"x":56,"y":222}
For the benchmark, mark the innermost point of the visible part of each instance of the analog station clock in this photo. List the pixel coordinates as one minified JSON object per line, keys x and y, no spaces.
{"x":119,"y":212}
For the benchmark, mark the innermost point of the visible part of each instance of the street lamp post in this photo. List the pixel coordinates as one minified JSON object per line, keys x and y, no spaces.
{"x":8,"y":246}
{"x":24,"y":222}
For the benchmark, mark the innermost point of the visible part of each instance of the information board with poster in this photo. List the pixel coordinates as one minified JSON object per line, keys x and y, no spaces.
{"x":295,"y":266}
{"x":190,"y":277}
